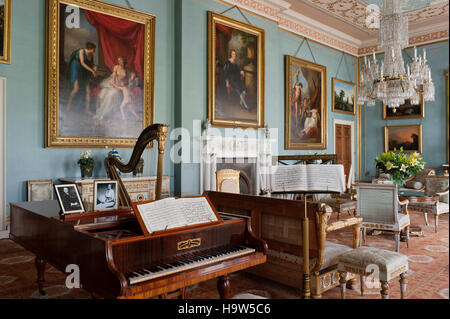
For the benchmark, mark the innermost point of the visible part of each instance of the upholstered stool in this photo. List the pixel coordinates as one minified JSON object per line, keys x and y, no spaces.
{"x":365,"y":261}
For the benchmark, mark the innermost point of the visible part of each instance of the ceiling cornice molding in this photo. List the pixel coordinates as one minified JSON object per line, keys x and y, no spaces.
{"x":280,"y":12}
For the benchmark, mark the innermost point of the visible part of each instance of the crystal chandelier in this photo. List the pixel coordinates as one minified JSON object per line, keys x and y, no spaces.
{"x":391,"y":83}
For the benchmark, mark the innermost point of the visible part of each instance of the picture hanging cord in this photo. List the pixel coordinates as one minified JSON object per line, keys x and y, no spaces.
{"x":309,"y":47}
{"x":129,"y":4}
{"x":235,"y":6}
{"x":343,"y":57}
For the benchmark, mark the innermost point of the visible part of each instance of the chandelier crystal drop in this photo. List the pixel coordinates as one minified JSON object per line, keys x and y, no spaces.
{"x":391,"y":82}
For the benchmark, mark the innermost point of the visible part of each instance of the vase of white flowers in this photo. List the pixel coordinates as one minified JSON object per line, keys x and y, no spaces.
{"x":86,"y":163}
{"x":399,"y":166}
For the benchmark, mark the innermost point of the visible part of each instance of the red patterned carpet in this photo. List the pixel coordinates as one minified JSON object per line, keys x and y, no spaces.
{"x":428,"y":276}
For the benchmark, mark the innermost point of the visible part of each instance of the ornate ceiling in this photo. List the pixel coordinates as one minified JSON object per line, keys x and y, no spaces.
{"x":344,"y":24}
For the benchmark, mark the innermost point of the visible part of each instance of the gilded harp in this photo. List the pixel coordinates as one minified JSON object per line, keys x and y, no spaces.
{"x":113,"y":165}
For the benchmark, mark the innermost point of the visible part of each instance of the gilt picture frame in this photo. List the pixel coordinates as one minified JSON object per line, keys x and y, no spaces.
{"x":236,"y":73}
{"x":344,"y":97}
{"x":99,"y":78}
{"x":405,"y":111}
{"x":5,"y":31}
{"x":305,"y":105}
{"x":407,"y":136}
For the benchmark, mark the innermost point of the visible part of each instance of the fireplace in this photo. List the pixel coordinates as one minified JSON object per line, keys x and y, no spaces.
{"x":251,"y":156}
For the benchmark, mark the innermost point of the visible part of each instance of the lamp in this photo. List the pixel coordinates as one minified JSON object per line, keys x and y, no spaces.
{"x":391,"y":83}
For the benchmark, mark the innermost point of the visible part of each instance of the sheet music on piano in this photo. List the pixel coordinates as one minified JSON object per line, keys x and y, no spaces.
{"x":171,"y":213}
{"x":314,"y":178}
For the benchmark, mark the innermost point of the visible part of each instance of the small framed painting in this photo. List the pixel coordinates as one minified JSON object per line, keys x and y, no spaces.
{"x":105,"y":195}
{"x":5,"y":31}
{"x":69,"y":199}
{"x":404,"y":111}
{"x":344,"y":94}
{"x":235,"y":73}
{"x":409,"y":137}
{"x":306,"y":105}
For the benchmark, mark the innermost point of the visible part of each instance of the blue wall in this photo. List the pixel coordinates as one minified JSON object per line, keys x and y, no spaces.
{"x":181,"y":93}
{"x":193,"y":94}
{"x":26,"y":157}
{"x":434,"y":123}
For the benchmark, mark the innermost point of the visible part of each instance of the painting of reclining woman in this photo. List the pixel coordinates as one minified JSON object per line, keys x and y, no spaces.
{"x":105,"y":89}
{"x":305,"y":105}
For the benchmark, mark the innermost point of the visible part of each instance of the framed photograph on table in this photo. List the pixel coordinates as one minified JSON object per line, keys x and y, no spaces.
{"x":409,"y":137}
{"x":5,"y":31}
{"x":100,"y":74}
{"x":404,"y":111}
{"x":69,"y":199}
{"x":306,"y":105}
{"x":235,"y":73}
{"x":105,"y":195}
{"x":344,"y":97}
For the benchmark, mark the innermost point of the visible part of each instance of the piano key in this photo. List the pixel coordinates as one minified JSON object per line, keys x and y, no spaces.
{"x":203,"y":259}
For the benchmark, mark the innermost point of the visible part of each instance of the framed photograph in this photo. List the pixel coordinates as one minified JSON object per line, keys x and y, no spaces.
{"x":69,"y":199}
{"x":235,"y":73}
{"x":306,"y":105}
{"x":100,"y":74}
{"x":344,"y":97}
{"x":409,"y":137}
{"x":5,"y":31}
{"x":105,"y":195}
{"x":40,"y":190}
{"x":404,"y":111}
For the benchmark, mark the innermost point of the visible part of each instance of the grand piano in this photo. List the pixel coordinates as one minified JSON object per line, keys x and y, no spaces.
{"x":114,"y":257}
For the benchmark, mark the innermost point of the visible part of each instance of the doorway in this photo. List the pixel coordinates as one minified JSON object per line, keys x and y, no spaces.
{"x":344,"y":141}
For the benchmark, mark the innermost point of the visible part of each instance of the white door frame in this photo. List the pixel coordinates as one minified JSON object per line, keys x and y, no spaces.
{"x":4,"y":233}
{"x":352,"y":125}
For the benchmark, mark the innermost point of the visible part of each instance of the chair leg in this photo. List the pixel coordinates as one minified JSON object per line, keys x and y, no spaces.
{"x":365,"y":236}
{"x":343,"y":283}
{"x":436,"y":223}
{"x":407,"y":236}
{"x":363,"y":284}
{"x":397,"y":241}
{"x":425,"y":216}
{"x":385,"y":290}
{"x":403,"y":283}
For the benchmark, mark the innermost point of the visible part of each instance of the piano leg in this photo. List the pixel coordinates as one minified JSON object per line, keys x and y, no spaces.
{"x":224,"y":287}
{"x":40,"y":267}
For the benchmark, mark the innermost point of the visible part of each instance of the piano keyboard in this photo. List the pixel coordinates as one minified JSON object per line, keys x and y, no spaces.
{"x":186,"y":262}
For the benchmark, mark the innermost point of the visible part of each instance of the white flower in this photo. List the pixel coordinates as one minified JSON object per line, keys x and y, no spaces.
{"x":86,"y":154}
{"x":403,"y":168}
{"x":390,"y":166}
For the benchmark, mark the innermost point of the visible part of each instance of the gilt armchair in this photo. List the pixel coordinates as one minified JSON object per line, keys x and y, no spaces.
{"x":227,"y":180}
{"x":378,"y":205}
{"x":435,"y":186}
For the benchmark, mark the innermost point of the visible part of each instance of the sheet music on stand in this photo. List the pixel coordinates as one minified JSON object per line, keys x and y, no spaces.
{"x":308,"y":178}
{"x":175,"y":213}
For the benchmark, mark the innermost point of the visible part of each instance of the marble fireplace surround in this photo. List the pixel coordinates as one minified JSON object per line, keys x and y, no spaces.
{"x":218,"y":149}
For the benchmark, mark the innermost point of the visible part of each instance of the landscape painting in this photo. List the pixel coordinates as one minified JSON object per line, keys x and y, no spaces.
{"x":404,"y":111}
{"x":344,"y":94}
{"x":306,"y":105}
{"x":236,"y":73}
{"x":409,"y":137}
{"x":100,"y":91}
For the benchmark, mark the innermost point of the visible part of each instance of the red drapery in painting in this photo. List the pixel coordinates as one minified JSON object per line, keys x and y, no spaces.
{"x":120,"y":37}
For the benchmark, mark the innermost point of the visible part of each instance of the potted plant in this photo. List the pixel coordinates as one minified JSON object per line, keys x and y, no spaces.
{"x":86,"y":163}
{"x":399,"y":166}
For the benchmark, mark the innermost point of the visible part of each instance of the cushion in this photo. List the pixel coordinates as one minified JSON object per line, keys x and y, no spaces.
{"x":389,"y":263}
{"x":403,"y":220}
{"x":332,"y":252}
{"x":434,"y":185}
{"x":342,"y":204}
{"x":413,"y":184}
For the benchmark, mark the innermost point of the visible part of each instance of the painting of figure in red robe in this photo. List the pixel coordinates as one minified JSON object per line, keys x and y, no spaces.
{"x":101,"y":71}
